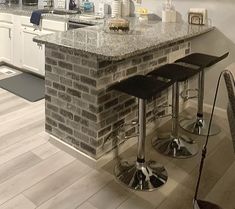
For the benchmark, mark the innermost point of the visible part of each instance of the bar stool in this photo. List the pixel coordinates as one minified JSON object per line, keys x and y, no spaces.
{"x":175,"y":145}
{"x":141,"y":175}
{"x":199,"y":125}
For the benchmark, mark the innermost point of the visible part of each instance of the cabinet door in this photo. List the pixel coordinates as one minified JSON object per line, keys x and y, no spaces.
{"x":6,"y":42}
{"x":44,"y":32}
{"x":32,"y":53}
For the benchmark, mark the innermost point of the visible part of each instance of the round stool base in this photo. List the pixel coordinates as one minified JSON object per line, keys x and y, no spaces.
{"x":201,"y":204}
{"x":199,"y":127}
{"x":146,"y":176}
{"x":182,"y":147}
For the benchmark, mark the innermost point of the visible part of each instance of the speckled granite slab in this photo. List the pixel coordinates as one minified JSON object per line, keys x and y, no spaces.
{"x":143,"y":38}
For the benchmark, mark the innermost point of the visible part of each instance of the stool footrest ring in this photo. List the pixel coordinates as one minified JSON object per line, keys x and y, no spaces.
{"x":156,"y":113}
{"x":131,"y":136}
{"x":185,"y":94}
{"x":163,"y":116}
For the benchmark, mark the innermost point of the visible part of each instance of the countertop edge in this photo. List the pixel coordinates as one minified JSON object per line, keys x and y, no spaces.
{"x":120,"y":57}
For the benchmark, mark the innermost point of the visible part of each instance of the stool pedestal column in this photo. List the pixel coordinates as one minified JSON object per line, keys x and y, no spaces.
{"x":175,"y":145}
{"x":140,"y":174}
{"x":199,"y":125}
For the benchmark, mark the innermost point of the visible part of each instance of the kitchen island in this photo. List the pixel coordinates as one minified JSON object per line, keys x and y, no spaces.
{"x":80,"y":66}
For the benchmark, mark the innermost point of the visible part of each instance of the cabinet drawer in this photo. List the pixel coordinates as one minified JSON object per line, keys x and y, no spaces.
{"x":45,"y":24}
{"x":7,"y":18}
{"x":53,"y":25}
{"x":25,"y":21}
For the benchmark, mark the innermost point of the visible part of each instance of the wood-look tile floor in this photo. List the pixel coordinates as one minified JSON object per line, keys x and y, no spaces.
{"x":36,"y":174}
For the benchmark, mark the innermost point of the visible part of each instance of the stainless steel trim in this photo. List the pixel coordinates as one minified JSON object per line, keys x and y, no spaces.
{"x":142,"y":130}
{"x":139,"y":174}
{"x":146,"y":176}
{"x":175,"y":145}
{"x":199,"y":125}
{"x":201,"y":78}
{"x":9,"y":31}
{"x":74,"y":25}
{"x":175,"y":110}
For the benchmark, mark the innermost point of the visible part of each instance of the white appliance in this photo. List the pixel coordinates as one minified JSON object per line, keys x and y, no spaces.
{"x":103,"y":9}
{"x":61,"y":4}
{"x":116,"y":8}
{"x":168,"y":13}
{"x":125,"y":8}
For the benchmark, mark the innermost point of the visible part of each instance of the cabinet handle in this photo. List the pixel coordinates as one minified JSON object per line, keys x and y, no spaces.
{"x":39,"y":45}
{"x":9,"y":33}
{"x":9,"y":29}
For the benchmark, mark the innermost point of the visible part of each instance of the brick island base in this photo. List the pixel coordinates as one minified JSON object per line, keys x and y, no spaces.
{"x":81,"y":111}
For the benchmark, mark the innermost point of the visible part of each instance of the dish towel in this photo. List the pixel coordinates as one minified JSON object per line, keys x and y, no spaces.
{"x":36,"y":17}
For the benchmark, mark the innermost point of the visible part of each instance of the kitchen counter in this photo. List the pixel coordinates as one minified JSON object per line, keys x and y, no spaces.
{"x":17,"y":9}
{"x":143,"y":37}
{"x":82,"y":64}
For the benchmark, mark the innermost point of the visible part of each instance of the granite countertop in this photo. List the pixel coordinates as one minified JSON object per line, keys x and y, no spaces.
{"x":144,"y":36}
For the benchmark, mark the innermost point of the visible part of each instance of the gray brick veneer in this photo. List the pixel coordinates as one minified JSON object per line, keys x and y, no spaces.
{"x":81,"y":111}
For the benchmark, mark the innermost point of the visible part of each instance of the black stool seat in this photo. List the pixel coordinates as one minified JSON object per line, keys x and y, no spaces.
{"x":202,"y":60}
{"x":141,"y":86}
{"x":174,"y":72}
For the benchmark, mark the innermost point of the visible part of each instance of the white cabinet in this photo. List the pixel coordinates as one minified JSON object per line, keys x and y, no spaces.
{"x":16,"y":41}
{"x":32,"y":53}
{"x":6,"y":42}
{"x":17,"y":48}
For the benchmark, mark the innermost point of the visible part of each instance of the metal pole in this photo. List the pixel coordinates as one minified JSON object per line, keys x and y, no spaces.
{"x":175,"y":110}
{"x":142,"y":132}
{"x":201,"y":78}
{"x":204,"y":151}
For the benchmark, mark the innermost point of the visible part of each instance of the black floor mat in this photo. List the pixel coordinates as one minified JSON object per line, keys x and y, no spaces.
{"x":30,"y":87}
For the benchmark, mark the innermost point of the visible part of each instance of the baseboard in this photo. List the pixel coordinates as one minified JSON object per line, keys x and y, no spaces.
{"x":97,"y":163}
{"x":220,"y":112}
{"x":88,"y":160}
{"x":2,"y":62}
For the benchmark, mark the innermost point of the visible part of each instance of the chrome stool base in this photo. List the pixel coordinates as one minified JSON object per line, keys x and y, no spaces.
{"x":199,"y":127}
{"x":146,"y":176}
{"x":181,"y":147}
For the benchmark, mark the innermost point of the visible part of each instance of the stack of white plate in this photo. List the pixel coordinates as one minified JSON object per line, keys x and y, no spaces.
{"x":125,"y":8}
{"x":116,"y":8}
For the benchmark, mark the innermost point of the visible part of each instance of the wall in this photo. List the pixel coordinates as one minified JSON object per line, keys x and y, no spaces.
{"x":217,"y":42}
